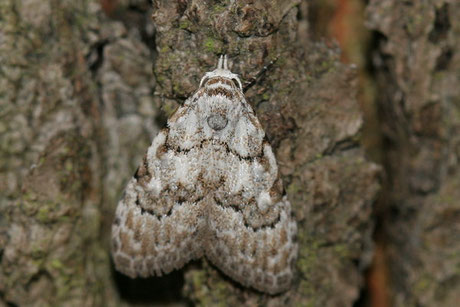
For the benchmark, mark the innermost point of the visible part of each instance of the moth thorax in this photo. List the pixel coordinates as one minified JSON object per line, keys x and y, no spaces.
{"x":217,"y":122}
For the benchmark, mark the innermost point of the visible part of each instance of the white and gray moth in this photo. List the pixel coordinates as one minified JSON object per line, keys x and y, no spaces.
{"x":209,"y":186}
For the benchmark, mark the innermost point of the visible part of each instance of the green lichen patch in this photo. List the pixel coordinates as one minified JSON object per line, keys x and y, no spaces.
{"x":212,"y":45}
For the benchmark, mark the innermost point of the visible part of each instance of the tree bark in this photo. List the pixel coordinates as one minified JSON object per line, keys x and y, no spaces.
{"x":76,"y":114}
{"x":306,"y":102}
{"x":417,"y":65}
{"x":79,"y":109}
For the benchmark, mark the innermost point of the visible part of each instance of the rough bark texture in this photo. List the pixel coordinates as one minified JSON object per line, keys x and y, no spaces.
{"x":76,"y":114}
{"x":417,"y":60}
{"x":305,"y":101}
{"x":79,"y":108}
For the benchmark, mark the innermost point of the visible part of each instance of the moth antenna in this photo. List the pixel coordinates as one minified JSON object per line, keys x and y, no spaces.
{"x":219,"y":64}
{"x":225,"y":62}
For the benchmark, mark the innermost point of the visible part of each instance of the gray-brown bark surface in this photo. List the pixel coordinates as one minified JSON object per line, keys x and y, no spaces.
{"x":417,"y":61}
{"x":76,"y":112}
{"x":79,"y":108}
{"x":306,"y":102}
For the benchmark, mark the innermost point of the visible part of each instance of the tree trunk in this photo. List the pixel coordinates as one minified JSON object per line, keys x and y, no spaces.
{"x":76,"y":113}
{"x":417,"y":65}
{"x":80,"y":105}
{"x":306,"y":103}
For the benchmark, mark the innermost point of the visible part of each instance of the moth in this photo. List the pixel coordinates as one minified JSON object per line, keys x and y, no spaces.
{"x":209,"y":186}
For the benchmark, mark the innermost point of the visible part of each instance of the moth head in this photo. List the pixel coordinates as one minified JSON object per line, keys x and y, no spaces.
{"x":222,"y":71}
